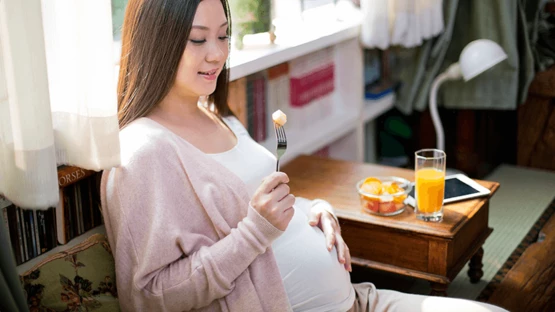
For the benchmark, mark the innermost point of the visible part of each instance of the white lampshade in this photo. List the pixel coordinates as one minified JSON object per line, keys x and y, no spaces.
{"x":478,"y":56}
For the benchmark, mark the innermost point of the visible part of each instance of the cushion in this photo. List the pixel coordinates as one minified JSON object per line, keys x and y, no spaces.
{"x":81,"y":278}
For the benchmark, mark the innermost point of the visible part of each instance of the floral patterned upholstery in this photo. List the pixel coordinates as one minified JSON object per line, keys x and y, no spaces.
{"x":81,"y":278}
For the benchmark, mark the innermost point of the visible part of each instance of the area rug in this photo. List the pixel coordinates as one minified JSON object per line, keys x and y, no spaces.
{"x":522,"y":198}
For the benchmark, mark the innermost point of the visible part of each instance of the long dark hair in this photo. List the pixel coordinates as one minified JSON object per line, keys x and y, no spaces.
{"x":154,"y":36}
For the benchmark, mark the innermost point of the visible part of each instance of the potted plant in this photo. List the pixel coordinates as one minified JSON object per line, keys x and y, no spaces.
{"x":251,"y":17}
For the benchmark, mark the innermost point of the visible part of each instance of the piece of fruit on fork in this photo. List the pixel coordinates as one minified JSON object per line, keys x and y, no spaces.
{"x":279,"y":117}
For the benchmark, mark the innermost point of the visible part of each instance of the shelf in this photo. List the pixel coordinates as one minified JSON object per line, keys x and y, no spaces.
{"x":374,"y":108}
{"x":320,"y":134}
{"x":312,"y":35}
{"x":24,"y":267}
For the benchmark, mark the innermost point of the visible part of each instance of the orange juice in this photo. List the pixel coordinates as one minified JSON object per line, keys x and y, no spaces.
{"x":430,"y":189}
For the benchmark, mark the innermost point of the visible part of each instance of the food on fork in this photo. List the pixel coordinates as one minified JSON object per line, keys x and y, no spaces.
{"x":279,"y":118}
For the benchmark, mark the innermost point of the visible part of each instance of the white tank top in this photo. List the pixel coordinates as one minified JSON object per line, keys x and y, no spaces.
{"x":313,"y":277}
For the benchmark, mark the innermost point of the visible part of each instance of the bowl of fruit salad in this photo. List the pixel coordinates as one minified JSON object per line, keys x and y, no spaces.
{"x":384,"y":196}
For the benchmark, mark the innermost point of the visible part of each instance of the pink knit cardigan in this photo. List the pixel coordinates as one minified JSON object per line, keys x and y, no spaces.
{"x":183,"y":234}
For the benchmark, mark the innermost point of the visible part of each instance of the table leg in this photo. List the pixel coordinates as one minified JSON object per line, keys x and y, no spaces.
{"x":475,"y":266}
{"x":438,"y":289}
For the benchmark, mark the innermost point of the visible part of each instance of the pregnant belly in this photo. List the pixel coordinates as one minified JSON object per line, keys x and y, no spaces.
{"x":312,"y":275}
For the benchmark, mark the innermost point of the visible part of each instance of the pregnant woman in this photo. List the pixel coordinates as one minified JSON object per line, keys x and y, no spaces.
{"x":195,"y":215}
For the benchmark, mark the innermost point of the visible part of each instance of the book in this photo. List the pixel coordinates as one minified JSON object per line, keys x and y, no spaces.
{"x":237,"y":99}
{"x":35,"y":232}
{"x":312,"y":84}
{"x":259,"y":108}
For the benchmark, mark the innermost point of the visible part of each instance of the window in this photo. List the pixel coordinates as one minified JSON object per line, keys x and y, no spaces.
{"x":118,"y":10}
{"x":310,"y":4}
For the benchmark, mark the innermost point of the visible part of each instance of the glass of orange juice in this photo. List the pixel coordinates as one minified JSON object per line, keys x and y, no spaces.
{"x":429,"y":184}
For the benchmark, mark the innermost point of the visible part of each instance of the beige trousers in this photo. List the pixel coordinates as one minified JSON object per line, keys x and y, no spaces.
{"x":370,"y":299}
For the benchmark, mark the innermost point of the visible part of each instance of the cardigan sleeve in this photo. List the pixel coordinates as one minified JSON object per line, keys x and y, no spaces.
{"x":165,"y":255}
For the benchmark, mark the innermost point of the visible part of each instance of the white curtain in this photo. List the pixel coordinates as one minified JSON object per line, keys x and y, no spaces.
{"x":405,"y":23}
{"x":57,"y":95}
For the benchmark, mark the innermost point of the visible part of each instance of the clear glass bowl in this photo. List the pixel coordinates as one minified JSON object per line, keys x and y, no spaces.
{"x":385,"y":204}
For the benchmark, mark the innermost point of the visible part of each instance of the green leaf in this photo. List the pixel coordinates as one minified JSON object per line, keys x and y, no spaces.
{"x":65,"y":281}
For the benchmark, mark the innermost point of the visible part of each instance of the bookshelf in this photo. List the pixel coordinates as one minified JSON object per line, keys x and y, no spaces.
{"x":37,"y":234}
{"x":375,"y":108}
{"x":344,"y":130}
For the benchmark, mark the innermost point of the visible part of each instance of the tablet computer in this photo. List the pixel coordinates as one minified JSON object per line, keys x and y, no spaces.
{"x":457,"y":187}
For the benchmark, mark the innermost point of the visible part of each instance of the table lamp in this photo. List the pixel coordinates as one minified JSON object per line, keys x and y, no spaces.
{"x":477,"y":57}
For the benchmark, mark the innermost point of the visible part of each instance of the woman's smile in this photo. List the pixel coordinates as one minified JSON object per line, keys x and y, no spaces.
{"x":209,"y":75}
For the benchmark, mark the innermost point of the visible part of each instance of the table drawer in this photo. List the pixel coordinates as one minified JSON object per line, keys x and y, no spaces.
{"x":393,"y":247}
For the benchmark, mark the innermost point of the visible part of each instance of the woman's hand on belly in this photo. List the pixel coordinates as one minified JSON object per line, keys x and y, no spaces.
{"x":322,"y":218}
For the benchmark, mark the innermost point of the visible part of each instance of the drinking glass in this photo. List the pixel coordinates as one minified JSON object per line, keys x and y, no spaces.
{"x":429,"y":184}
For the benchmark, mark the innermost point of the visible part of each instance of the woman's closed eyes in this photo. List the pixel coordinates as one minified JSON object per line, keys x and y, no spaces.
{"x":199,"y":42}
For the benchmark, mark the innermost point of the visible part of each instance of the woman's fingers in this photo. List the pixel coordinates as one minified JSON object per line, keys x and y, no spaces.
{"x":344,"y":254}
{"x":329,"y":232}
{"x":273,"y":180}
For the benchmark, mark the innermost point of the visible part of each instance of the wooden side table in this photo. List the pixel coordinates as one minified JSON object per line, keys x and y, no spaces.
{"x":400,"y":244}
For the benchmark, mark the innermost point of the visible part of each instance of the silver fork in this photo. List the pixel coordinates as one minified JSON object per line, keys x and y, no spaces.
{"x":281,"y":143}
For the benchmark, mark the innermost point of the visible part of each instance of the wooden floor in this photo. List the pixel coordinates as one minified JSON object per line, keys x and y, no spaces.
{"x":530,"y":284}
